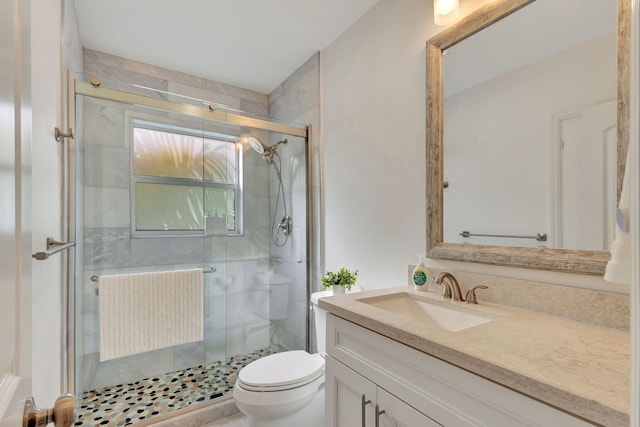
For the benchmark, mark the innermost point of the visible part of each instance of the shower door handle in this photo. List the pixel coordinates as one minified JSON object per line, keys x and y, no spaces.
{"x":62,"y":414}
{"x":53,"y":247}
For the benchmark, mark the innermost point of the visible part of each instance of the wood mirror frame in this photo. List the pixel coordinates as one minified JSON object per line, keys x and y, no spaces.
{"x":576,"y":261}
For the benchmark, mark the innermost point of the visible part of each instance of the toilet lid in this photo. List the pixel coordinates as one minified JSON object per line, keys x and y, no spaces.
{"x":282,"y":371}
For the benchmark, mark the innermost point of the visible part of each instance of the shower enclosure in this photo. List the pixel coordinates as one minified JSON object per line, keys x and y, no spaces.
{"x":164,"y":183}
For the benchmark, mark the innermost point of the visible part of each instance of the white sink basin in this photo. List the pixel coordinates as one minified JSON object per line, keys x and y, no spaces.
{"x":448,"y":315}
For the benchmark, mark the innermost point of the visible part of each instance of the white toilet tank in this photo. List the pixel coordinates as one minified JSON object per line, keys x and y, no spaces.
{"x":320,"y":318}
{"x":273,"y":295}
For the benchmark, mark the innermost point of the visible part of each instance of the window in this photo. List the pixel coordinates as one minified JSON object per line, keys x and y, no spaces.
{"x":184,"y":181}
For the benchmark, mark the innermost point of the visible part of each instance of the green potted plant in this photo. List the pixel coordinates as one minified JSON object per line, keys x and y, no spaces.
{"x":340,"y":281}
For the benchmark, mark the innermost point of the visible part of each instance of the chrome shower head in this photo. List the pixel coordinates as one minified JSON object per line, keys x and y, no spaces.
{"x":256,"y":145}
{"x":254,"y":142}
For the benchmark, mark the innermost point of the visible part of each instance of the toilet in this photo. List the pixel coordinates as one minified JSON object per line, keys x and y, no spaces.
{"x":286,"y":389}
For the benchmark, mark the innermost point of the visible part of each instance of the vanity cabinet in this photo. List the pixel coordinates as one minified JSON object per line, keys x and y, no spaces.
{"x":365,"y":370}
{"x":356,"y":401}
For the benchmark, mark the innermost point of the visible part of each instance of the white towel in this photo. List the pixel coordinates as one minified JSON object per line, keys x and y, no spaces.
{"x":146,"y":311}
{"x":619,"y":266}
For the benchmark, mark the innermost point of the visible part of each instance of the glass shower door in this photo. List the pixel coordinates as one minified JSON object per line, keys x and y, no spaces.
{"x":162,"y":191}
{"x":146,"y":184}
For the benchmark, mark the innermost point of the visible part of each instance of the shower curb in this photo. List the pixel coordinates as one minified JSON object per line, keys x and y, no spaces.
{"x":195,"y":415}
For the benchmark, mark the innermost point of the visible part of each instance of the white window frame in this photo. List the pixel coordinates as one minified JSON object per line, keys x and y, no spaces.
{"x":157,"y":123}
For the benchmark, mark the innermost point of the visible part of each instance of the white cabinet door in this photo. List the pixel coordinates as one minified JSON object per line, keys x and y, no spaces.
{"x":354,"y":401}
{"x":349,"y":397}
{"x":399,"y":414}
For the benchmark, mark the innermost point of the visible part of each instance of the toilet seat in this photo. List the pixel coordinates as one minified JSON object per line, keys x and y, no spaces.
{"x":281,"y":371}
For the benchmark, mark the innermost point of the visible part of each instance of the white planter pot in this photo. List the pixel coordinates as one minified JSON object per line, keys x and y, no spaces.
{"x":338,"y":290}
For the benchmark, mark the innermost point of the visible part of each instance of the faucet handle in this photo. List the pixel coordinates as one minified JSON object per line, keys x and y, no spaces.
{"x":470,"y":298}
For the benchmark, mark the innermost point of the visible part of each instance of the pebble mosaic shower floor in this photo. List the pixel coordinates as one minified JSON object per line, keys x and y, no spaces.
{"x":126,"y":404}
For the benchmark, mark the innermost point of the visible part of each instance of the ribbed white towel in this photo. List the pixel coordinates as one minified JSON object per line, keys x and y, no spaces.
{"x":146,"y":311}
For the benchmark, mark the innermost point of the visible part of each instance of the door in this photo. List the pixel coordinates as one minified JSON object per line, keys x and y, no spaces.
{"x":349,"y":397}
{"x":351,"y":400}
{"x":22,"y":318}
{"x":15,"y":236}
{"x":586,"y":186}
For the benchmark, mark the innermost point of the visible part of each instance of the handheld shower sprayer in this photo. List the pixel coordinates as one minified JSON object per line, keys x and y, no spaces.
{"x":268,"y":152}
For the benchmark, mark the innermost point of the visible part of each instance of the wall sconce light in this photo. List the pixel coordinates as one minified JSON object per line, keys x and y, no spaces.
{"x":445,"y":12}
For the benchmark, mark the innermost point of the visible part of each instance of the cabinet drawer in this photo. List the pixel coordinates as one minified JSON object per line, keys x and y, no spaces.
{"x":447,"y":394}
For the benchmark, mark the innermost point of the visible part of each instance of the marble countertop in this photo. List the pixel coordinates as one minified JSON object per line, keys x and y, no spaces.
{"x":577,"y":367}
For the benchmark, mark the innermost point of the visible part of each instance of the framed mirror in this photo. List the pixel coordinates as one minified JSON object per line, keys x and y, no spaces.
{"x":466,"y":184}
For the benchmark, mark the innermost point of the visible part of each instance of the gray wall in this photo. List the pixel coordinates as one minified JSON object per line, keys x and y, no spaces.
{"x":106,"y":236}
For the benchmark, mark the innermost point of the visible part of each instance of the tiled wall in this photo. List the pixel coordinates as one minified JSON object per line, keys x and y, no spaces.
{"x":231,"y":323}
{"x":297,"y":100}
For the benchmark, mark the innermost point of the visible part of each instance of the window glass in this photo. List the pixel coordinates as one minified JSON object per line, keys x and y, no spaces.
{"x":219,"y":161}
{"x":180,"y":179}
{"x":168,"y":207}
{"x":158,"y":153}
{"x":217,"y":201}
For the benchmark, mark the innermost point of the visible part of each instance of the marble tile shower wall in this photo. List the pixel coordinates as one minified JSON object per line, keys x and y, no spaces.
{"x":115,"y":69}
{"x":109,"y":248}
{"x":297,"y":100}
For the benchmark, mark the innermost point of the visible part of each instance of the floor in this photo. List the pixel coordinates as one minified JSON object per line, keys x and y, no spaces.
{"x":126,"y":404}
{"x":238,"y":420}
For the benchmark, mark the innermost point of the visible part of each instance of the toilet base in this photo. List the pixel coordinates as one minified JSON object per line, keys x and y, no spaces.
{"x":312,"y":415}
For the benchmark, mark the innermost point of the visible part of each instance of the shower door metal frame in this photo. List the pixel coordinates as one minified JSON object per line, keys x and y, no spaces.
{"x":83,"y":88}
{"x":75,"y":88}
{"x":70,"y":275}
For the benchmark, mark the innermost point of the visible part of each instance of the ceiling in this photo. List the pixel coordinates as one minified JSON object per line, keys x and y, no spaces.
{"x":253,"y":44}
{"x":520,"y":39}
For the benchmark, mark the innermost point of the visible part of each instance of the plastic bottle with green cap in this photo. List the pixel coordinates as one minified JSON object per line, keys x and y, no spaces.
{"x":420,"y":275}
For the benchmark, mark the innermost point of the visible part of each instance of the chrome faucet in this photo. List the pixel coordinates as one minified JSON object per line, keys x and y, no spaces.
{"x":451,"y":288}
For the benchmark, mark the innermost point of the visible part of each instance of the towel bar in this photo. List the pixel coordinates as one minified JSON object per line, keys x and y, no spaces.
{"x":540,"y":237}
{"x":96,"y":279}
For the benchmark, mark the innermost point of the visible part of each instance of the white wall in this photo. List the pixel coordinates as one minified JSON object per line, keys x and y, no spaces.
{"x":373,"y":141}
